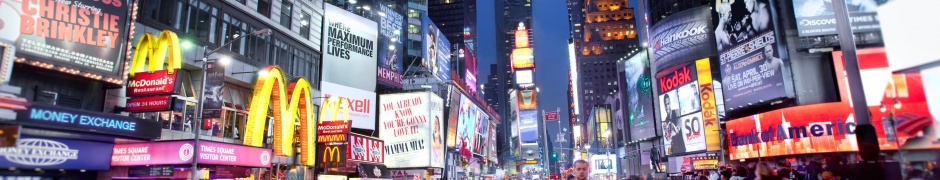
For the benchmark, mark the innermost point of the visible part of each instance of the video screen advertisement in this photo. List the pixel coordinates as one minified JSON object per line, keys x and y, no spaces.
{"x":688,"y":114}
{"x":470,"y":69}
{"x":682,"y":36}
{"x":468,"y":117}
{"x":816,"y":18}
{"x":452,"y":120}
{"x":483,"y":126}
{"x":391,"y":51}
{"x":85,"y":35}
{"x":639,"y":99}
{"x":752,"y":69}
{"x":412,"y":127}
{"x":528,"y":127}
{"x":830,"y":127}
{"x":349,"y":57}
{"x":436,"y":49}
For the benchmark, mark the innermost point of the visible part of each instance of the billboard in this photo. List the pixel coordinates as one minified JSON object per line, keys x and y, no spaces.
{"x":452,"y":119}
{"x":639,"y":97}
{"x":752,"y":70}
{"x":468,"y":116}
{"x":87,"y":36}
{"x":470,"y":71}
{"x":483,"y":127}
{"x":361,"y":104}
{"x":816,"y":18}
{"x":830,"y":127}
{"x":55,"y":153}
{"x":683,"y":36}
{"x":528,"y":127}
{"x":349,"y":46}
{"x":411,"y":125}
{"x":436,"y":49}
{"x":687,"y":108}
{"x":528,"y":99}
{"x":366,"y":149}
{"x":391,"y":51}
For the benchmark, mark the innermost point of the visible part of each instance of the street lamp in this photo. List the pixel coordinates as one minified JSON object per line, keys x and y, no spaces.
{"x":894,"y":124}
{"x":202,"y":98}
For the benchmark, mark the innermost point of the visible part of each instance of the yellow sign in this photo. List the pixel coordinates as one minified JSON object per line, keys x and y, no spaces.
{"x":156,"y":50}
{"x":331,"y":138}
{"x":531,"y":161}
{"x":335,"y":155}
{"x":709,"y":111}
{"x":335,"y":106}
{"x":271,"y":87}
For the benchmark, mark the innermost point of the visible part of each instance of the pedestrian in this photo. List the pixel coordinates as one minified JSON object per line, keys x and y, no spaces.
{"x":936,"y":170}
{"x":763,"y":172}
{"x":751,"y":169}
{"x":814,"y":169}
{"x":581,"y":169}
{"x":739,"y":173}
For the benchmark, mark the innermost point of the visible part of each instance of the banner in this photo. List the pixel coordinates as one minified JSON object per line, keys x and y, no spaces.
{"x":639,"y":97}
{"x":84,"y":35}
{"x":483,"y":126}
{"x":683,"y":36}
{"x":349,"y":47}
{"x":452,"y":119}
{"x":299,"y":106}
{"x":751,"y":69}
{"x":436,"y":49}
{"x":413,"y":134}
{"x":816,"y":18}
{"x":391,"y":51}
{"x":53,"y":153}
{"x":366,"y":148}
{"x":528,"y":127}
{"x":215,"y":82}
{"x":181,"y":152}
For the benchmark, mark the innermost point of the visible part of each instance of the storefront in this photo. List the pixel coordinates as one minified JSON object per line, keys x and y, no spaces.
{"x":80,"y":141}
{"x":216,"y":160}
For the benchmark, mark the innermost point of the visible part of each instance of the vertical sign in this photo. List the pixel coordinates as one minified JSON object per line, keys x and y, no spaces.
{"x":709,"y":111}
{"x":215,"y":82}
{"x":390,"y":47}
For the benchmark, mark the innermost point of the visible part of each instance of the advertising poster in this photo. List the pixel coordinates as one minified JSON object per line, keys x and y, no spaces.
{"x":437,"y":136}
{"x":365,"y":149}
{"x":470,"y":73}
{"x":483,"y":126}
{"x":410,"y":131}
{"x":215,"y":81}
{"x":468,"y":116}
{"x":816,"y":17}
{"x":436,"y":49}
{"x":528,"y":99}
{"x":751,"y":68}
{"x":639,"y":97}
{"x":349,"y":47}
{"x":528,"y":127}
{"x":361,"y":103}
{"x":679,"y":97}
{"x":85,"y":35}
{"x":452,"y":119}
{"x":492,"y":153}
{"x":830,"y":127}
{"x":683,"y":36}
{"x":53,"y":153}
{"x":391,"y":51}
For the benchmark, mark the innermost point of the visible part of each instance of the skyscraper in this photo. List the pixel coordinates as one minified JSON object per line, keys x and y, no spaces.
{"x":509,"y":13}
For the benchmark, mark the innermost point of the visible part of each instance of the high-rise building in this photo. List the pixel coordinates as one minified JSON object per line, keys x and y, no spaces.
{"x":508,"y":15}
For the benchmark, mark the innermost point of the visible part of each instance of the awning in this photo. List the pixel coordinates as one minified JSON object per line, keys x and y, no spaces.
{"x":367,"y":170}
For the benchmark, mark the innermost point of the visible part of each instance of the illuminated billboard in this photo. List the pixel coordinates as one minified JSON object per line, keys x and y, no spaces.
{"x":528,"y":127}
{"x":687,"y":108}
{"x":412,"y":118}
{"x":349,"y":49}
{"x":469,"y":118}
{"x":528,"y":99}
{"x":391,"y":50}
{"x":436,"y":49}
{"x":522,"y":58}
{"x":639,"y":97}
{"x":524,"y":77}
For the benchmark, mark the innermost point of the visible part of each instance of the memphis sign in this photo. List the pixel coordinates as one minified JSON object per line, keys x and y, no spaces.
{"x":271,"y":91}
{"x":155,"y":79}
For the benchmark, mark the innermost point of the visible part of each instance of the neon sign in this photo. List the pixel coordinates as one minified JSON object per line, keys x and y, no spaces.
{"x":271,"y":87}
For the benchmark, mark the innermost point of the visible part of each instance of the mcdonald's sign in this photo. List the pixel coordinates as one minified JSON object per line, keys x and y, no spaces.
{"x":332,"y":155}
{"x":155,"y":79}
{"x":271,"y":89}
{"x":334,"y":116}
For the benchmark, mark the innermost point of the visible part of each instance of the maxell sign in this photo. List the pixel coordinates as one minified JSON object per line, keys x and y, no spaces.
{"x":685,"y":36}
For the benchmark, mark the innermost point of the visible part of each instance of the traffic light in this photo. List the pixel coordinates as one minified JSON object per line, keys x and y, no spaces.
{"x":554,"y":155}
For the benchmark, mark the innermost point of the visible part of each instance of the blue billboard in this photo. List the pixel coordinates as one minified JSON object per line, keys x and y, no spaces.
{"x":390,"y":47}
{"x":528,"y":127}
{"x":435,"y":50}
{"x":55,"y":153}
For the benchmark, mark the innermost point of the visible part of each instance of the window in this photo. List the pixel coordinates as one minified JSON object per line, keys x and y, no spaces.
{"x":286,"y":13}
{"x":201,"y":20}
{"x":305,"y":25}
{"x":264,"y":7}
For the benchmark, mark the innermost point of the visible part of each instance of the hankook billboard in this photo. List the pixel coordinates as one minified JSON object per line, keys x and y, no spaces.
{"x":682,"y":37}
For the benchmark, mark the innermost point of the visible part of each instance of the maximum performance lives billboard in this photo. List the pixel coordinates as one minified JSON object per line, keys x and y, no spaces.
{"x":752,"y":70}
{"x":349,"y":47}
{"x":86,"y":35}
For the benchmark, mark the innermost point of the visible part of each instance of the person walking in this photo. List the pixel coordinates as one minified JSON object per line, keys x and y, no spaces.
{"x":763,"y":172}
{"x":581,"y":168}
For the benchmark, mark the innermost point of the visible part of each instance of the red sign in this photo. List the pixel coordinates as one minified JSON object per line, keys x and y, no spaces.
{"x":679,"y":77}
{"x":332,"y":127}
{"x":156,"y":83}
{"x":551,"y":116}
{"x":148,"y":104}
{"x":363,"y":148}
